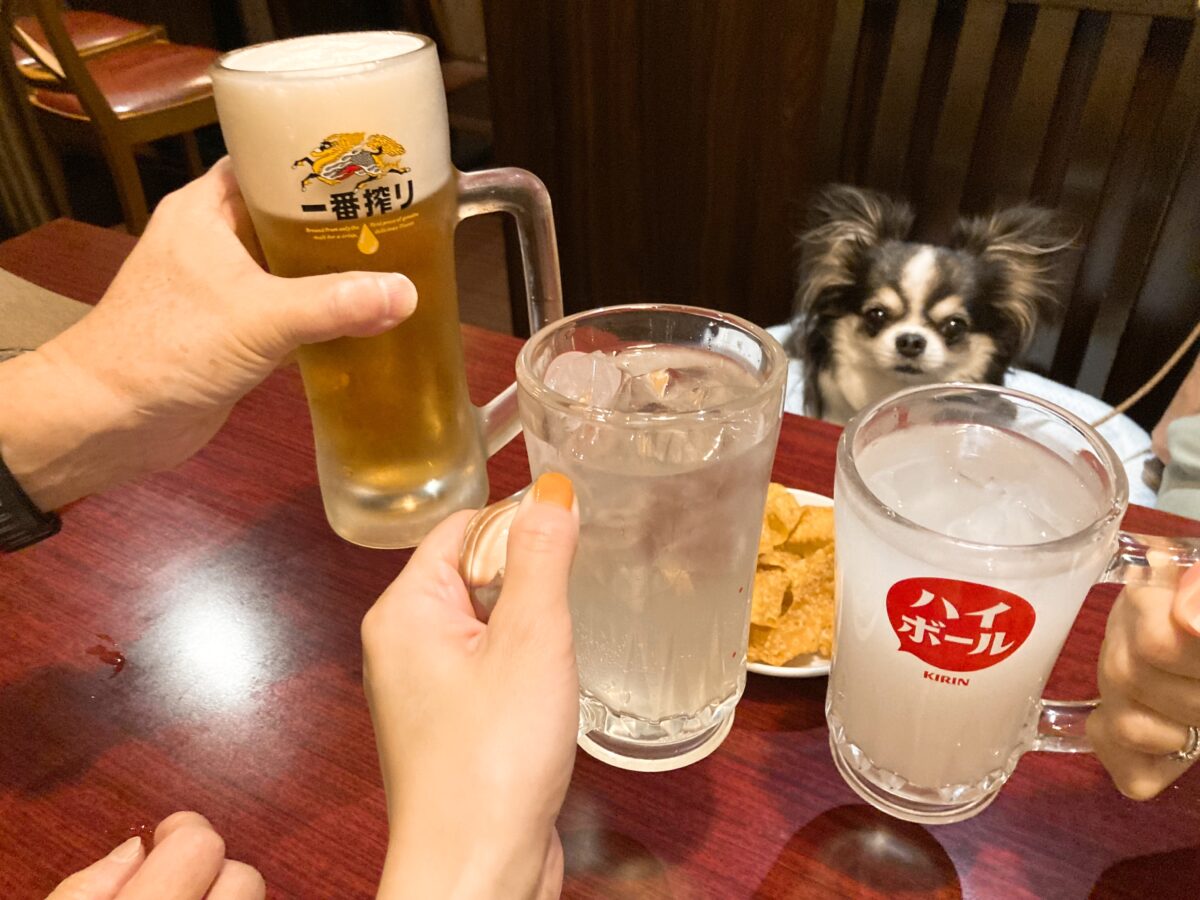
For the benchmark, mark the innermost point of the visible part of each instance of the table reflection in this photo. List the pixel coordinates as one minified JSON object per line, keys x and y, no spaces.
{"x":884,"y":857}
{"x":215,"y":647}
{"x":217,"y":643}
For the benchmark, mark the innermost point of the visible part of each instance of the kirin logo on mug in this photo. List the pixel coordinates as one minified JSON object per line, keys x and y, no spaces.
{"x":958,"y":626}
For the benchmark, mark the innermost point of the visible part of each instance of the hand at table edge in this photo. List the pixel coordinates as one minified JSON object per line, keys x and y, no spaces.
{"x":1149,"y":680}
{"x":187,"y":862}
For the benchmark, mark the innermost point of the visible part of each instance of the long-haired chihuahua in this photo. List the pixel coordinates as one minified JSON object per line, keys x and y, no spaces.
{"x":876,"y":312}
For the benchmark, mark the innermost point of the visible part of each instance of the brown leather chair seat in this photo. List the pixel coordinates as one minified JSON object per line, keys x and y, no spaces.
{"x":139,"y":79}
{"x":89,"y":31}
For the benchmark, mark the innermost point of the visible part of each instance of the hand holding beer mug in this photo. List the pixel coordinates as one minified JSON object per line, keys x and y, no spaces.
{"x":341,"y":147}
{"x":665,"y":418}
{"x":971,"y":522}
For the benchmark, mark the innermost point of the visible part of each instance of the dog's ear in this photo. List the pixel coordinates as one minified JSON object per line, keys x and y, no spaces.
{"x":1019,"y":232}
{"x":842,"y":222}
{"x":843,"y":214}
{"x":1026,"y":242}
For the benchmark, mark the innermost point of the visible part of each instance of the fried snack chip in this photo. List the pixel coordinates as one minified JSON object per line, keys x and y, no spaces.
{"x":813,"y":530}
{"x":766,"y":605}
{"x":776,"y":559}
{"x":812,"y":575}
{"x":792,"y":605}
{"x":780,"y":519}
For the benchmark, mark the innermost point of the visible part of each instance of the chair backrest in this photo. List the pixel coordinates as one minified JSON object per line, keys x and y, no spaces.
{"x":680,"y":142}
{"x":1090,"y":107}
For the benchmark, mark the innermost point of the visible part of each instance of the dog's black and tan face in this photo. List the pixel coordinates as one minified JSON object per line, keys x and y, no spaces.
{"x":877,"y":312}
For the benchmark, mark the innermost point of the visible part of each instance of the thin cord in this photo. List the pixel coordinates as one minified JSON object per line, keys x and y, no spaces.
{"x":1154,"y":379}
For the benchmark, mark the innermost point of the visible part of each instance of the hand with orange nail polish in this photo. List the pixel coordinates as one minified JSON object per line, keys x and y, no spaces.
{"x":1149,"y":679}
{"x":188,"y":862}
{"x":476,"y":723}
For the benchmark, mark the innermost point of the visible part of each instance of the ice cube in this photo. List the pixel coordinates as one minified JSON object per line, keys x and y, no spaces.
{"x":985,"y":524}
{"x":653,"y":357}
{"x":643,"y":393}
{"x":664,"y":378}
{"x":1006,"y":513}
{"x":590,"y":378}
{"x":671,"y":390}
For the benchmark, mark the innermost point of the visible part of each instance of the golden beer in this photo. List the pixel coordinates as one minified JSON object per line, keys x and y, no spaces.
{"x":390,"y":411}
{"x":341,"y":147}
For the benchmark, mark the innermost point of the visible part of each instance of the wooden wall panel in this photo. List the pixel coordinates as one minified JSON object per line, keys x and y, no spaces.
{"x":1033,"y":102}
{"x":1168,"y":304}
{"x":987,"y":156}
{"x":838,"y":79}
{"x":899,"y":92}
{"x":1079,"y":70}
{"x":866,"y":89}
{"x":677,"y":140}
{"x":1117,"y":237}
{"x":940,"y":191}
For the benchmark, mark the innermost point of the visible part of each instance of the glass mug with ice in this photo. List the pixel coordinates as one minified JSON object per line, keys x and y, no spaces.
{"x":971,"y":522}
{"x":666,"y":419}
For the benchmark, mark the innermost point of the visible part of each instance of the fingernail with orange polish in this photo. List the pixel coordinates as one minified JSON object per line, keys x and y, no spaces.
{"x":554,"y":487}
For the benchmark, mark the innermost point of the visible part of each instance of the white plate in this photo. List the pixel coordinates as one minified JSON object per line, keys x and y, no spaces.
{"x":812,"y":665}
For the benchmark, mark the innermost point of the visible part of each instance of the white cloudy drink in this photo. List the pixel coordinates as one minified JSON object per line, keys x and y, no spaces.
{"x":961,"y":567}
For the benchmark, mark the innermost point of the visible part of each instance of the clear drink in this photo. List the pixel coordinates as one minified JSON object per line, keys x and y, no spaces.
{"x":659,"y":596}
{"x":669,"y":442}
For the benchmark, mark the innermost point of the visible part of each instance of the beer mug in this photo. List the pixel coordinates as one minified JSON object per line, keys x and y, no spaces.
{"x":341,"y":147}
{"x":666,"y":419}
{"x":971,"y":522}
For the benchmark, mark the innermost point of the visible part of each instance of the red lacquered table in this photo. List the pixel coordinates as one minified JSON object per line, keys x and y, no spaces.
{"x":236,"y":610}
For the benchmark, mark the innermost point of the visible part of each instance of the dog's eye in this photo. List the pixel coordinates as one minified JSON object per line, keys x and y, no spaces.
{"x":875,"y":316}
{"x":954,"y":327}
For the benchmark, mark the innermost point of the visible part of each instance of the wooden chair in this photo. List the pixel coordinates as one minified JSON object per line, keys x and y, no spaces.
{"x":123,"y":98}
{"x":90,"y":32}
{"x":680,"y":143}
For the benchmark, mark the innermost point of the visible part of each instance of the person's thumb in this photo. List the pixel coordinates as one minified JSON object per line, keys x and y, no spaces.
{"x":104,"y":878}
{"x":1186,"y":606}
{"x":323,"y":307}
{"x":541,"y":546}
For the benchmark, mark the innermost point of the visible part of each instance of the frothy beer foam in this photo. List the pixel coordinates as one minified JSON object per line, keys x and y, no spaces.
{"x":278,"y":103}
{"x":323,"y":51}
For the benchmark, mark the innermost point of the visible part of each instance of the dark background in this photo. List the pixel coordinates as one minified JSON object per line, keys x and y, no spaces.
{"x":680,"y":139}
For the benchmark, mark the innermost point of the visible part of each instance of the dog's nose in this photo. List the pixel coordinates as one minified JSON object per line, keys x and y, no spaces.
{"x":910,"y":344}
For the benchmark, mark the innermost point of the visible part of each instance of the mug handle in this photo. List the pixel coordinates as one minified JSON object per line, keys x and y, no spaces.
{"x":522,"y":195}
{"x":1141,"y":559}
{"x":484,"y":550}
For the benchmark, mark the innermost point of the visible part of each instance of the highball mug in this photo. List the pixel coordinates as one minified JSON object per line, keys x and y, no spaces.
{"x":971,"y":522}
{"x":668,"y":433}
